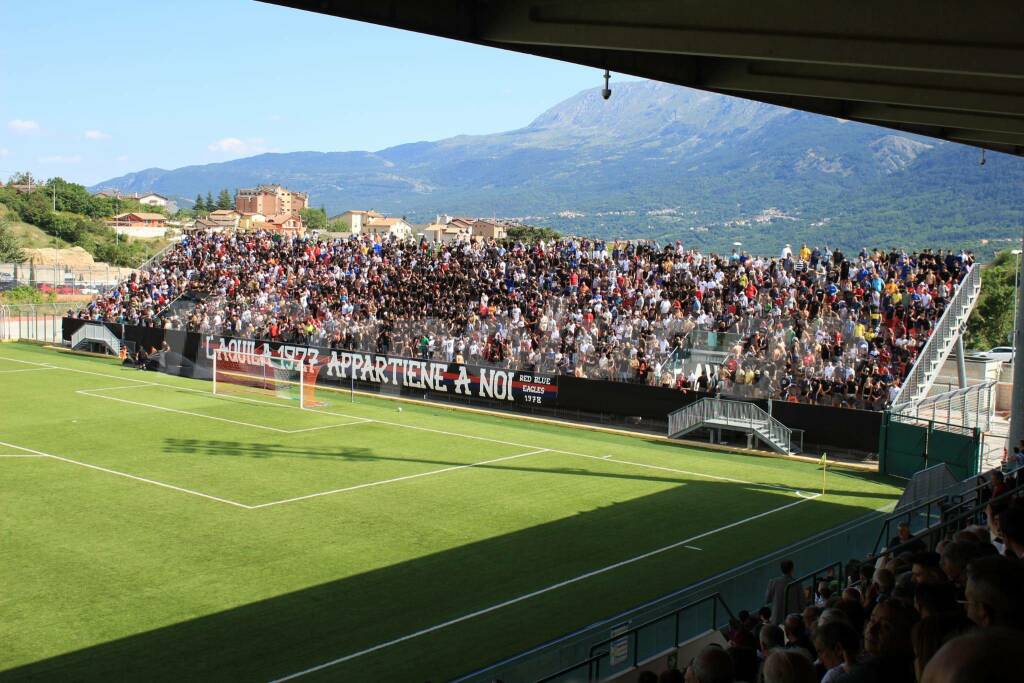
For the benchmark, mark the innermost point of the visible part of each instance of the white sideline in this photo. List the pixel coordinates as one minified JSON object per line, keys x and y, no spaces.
{"x":125,"y":474}
{"x":533,"y":594}
{"x":702,"y":475}
{"x":396,"y":479}
{"x":4,"y":372}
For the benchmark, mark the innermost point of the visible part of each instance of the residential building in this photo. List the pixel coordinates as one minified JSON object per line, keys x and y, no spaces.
{"x":247,"y":221}
{"x":284,"y":223}
{"x":489,"y":229}
{"x":139,"y":224}
{"x":388,"y":226}
{"x":227,"y":219}
{"x":355,"y":220}
{"x":270,"y":200}
{"x":446,"y":234}
{"x":154,"y":199}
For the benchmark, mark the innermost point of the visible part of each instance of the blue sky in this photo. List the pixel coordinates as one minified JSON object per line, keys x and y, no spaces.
{"x":91,"y":90}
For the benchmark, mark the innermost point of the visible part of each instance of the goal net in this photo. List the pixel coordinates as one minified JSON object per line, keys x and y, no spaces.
{"x":249,"y":375}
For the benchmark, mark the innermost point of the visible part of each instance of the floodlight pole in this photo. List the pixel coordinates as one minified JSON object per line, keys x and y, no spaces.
{"x":1017,"y":398}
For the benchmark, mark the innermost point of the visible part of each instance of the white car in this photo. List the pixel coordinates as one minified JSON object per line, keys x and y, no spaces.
{"x":1001,"y":353}
{"x":89,"y":290}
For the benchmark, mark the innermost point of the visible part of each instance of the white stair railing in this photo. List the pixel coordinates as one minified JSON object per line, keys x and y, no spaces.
{"x":942,"y":339}
{"x":96,"y":332}
{"x":726,"y":414}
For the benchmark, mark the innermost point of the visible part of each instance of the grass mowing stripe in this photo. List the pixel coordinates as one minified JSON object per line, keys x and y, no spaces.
{"x":129,"y":476}
{"x":447,"y":433}
{"x":88,"y":392}
{"x":397,"y":479}
{"x":533,"y":594}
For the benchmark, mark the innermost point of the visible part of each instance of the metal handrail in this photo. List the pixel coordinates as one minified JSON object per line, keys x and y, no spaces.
{"x":950,"y":521}
{"x":822,"y":572}
{"x":918,"y":377}
{"x":633,"y":635}
{"x":740,"y":413}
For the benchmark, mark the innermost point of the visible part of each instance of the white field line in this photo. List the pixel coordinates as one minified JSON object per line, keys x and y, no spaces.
{"x":87,"y":392}
{"x":702,"y":475}
{"x":533,"y":594}
{"x":126,"y":475}
{"x":5,"y":372}
{"x":21,"y":455}
{"x":397,"y":479}
{"x":92,"y":392}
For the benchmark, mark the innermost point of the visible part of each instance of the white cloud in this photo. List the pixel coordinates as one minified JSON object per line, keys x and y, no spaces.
{"x":23,"y":126}
{"x":96,"y":135}
{"x":123,"y":157}
{"x":4,"y":152}
{"x":238,"y":146}
{"x":60,"y":159}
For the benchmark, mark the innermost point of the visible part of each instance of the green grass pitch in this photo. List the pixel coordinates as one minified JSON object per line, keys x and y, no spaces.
{"x":153,"y":531}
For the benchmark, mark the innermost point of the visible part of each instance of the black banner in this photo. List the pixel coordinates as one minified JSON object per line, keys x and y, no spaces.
{"x":337,"y":366}
{"x":565,"y":396}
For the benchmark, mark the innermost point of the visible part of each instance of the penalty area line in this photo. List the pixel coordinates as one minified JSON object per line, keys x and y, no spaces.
{"x":397,"y":479}
{"x":126,"y":475}
{"x":533,"y":594}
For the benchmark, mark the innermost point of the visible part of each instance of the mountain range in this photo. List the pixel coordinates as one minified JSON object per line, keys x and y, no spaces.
{"x":665,"y":162}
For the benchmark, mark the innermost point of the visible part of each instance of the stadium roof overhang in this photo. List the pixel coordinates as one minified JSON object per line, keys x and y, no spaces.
{"x":943,"y":68}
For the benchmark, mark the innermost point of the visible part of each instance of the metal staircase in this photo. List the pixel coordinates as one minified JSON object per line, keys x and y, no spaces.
{"x":718,"y":414}
{"x":96,"y":333}
{"x":942,"y":341}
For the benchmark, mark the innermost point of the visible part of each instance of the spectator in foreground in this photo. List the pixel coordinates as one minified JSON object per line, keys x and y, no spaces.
{"x":990,"y":656}
{"x":712,"y":665}
{"x":995,"y":592}
{"x":786,"y":666}
{"x":838,"y":646}
{"x":776,"y":595}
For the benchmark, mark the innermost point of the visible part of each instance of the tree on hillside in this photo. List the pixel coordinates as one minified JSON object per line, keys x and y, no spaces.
{"x":10,"y":245}
{"x":315,"y":219}
{"x":224,"y":200}
{"x":992,"y":319}
{"x":210,"y":204}
{"x":22,"y":178}
{"x":200,"y":207}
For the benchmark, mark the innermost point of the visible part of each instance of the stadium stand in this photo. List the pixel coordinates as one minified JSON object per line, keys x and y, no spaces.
{"x":940,"y":605}
{"x":812,"y":326}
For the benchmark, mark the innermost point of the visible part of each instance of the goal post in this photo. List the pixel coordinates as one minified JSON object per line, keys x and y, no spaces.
{"x":259,"y":375}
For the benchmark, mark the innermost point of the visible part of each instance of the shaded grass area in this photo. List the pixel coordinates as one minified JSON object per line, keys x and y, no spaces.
{"x":116,"y":579}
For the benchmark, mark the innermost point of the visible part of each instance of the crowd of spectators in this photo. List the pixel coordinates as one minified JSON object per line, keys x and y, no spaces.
{"x":814,"y":325}
{"x":912,"y":615}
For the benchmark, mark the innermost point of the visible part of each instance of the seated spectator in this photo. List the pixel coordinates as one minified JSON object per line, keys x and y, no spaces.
{"x":990,"y":656}
{"x":935,"y":599}
{"x":1011,"y":528}
{"x":954,"y":560}
{"x":796,"y":636}
{"x":838,"y":647}
{"x":712,"y":665}
{"x":902,"y":536}
{"x":995,"y":592}
{"x":783,"y":666}
{"x":887,"y":642}
{"x":932,"y":632}
{"x":924,"y":568}
{"x":771,"y":637}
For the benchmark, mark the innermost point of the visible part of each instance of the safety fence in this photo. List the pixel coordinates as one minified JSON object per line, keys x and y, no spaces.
{"x":32,"y":322}
{"x":62,"y":278}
